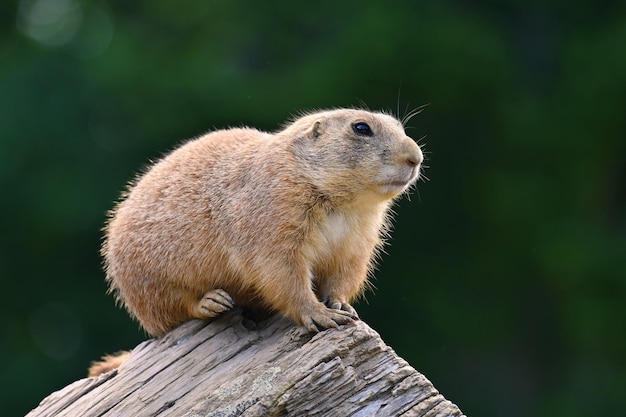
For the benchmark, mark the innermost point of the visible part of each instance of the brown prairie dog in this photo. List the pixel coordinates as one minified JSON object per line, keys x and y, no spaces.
{"x":288,"y":222}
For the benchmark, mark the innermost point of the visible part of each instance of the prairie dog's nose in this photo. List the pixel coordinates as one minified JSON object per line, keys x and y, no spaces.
{"x":412,"y":153}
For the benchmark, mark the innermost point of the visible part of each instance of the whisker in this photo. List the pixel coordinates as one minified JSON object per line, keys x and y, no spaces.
{"x":417,"y":192}
{"x":406,"y":110}
{"x":408,"y":116}
{"x":398,"y":101}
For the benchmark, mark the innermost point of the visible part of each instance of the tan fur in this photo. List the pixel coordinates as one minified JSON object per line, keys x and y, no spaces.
{"x":107,"y":363}
{"x":285,"y":221}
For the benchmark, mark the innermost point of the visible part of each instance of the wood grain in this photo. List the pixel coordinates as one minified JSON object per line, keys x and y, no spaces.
{"x":223,"y":369}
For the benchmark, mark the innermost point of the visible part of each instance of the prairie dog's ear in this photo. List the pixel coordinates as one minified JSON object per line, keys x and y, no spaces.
{"x":317,"y":129}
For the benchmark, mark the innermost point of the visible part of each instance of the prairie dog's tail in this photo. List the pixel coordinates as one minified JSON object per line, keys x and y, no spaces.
{"x":107,"y":363}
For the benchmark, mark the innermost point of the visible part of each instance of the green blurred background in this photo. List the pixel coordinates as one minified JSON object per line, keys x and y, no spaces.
{"x":505,"y":281}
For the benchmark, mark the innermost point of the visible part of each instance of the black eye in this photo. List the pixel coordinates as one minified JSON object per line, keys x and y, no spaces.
{"x":362,"y":129}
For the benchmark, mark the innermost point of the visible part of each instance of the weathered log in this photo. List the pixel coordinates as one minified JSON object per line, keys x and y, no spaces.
{"x":225,"y":369}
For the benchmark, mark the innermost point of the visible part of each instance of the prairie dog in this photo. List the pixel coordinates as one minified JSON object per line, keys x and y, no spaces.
{"x":288,"y":222}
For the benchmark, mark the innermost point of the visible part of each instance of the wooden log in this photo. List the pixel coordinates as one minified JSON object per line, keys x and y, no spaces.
{"x":224,"y":369}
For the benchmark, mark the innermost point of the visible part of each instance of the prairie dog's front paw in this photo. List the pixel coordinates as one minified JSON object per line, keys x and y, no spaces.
{"x":324,"y":318}
{"x":338,"y":305}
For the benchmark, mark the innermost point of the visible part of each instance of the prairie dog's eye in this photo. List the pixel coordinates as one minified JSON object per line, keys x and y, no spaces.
{"x":362,"y":129}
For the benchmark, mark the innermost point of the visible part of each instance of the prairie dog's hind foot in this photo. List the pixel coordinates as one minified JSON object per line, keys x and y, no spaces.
{"x":212,"y":304}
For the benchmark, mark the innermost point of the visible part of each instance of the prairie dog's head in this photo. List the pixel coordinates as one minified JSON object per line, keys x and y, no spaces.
{"x":356,"y":153}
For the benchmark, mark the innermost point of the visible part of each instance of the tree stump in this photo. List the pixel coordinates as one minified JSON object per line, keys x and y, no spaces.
{"x":224,"y":369}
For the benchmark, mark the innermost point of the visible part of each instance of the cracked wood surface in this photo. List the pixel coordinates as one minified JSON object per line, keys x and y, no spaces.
{"x":223,"y":369}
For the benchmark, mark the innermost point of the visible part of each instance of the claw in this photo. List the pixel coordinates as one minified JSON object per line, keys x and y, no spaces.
{"x":325,"y":318}
{"x":343,"y":307}
{"x":313,"y":328}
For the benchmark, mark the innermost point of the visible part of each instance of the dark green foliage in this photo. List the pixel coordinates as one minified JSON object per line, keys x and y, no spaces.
{"x":505,"y":281}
